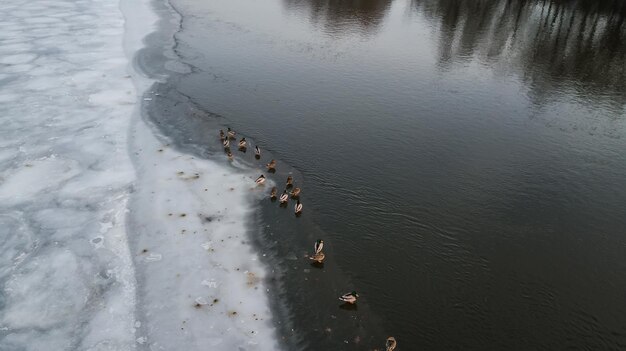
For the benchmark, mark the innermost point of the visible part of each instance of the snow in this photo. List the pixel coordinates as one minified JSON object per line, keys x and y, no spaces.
{"x":201,"y":282}
{"x":76,"y":210}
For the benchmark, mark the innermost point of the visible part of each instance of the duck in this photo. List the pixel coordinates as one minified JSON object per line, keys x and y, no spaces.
{"x":295,"y":192}
{"x":289,"y":182}
{"x":319,"y":245}
{"x":273,"y":194}
{"x":226,"y":143}
{"x":391,"y":343}
{"x":349,"y":297}
{"x":260,"y":180}
{"x":231,"y":133}
{"x":221,"y":134}
{"x":298,"y":208}
{"x":318,"y":257}
{"x":271,"y":165}
{"x":257,"y":152}
{"x":284,"y":197}
{"x":242,"y":143}
{"x":230,"y":155}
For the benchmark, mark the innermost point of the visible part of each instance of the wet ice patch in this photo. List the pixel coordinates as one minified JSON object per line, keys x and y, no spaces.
{"x":177,"y":66}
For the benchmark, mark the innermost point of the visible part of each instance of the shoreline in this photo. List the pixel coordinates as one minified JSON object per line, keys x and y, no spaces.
{"x":199,"y":209}
{"x":293,"y":283}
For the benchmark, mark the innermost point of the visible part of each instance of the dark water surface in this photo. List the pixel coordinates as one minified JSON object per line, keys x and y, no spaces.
{"x":463,"y":160}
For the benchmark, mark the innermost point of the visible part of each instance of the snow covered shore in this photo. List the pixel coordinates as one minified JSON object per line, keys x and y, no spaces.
{"x":110,"y":240}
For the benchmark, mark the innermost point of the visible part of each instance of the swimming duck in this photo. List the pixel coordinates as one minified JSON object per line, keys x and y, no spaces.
{"x":242,"y":143}
{"x":260,"y":180}
{"x":284,"y":197}
{"x":289,"y":182}
{"x":221,"y":134}
{"x":226,"y":143}
{"x":298,"y":208}
{"x":273,"y":193}
{"x":391,"y":343}
{"x":318,"y":257}
{"x":271,"y":165}
{"x":257,"y":152}
{"x":295,"y":192}
{"x":349,"y":297}
{"x":230,"y":155}
{"x":319,"y":245}
{"x":231,"y":133}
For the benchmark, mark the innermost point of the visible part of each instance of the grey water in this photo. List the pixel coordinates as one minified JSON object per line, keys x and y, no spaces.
{"x":464,"y":162}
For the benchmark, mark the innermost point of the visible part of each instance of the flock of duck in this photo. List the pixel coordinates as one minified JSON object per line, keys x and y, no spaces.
{"x":289,"y":191}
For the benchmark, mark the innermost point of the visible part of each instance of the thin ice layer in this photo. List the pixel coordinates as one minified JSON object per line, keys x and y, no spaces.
{"x":66,"y":275}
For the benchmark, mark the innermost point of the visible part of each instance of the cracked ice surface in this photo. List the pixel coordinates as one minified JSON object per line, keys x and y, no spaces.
{"x":66,"y":275}
{"x":68,"y":278}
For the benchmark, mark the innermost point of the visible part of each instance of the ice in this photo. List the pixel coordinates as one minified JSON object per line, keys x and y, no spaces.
{"x":77,"y":212}
{"x":23,"y":182}
{"x":17,"y":59}
{"x":67,"y":279}
{"x":206,"y":288}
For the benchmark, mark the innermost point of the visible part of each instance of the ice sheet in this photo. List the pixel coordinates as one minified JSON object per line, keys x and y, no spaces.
{"x":76,"y":212}
{"x":66,"y":275}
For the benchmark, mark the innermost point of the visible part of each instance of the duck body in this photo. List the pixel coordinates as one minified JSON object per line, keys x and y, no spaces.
{"x":231,"y":134}
{"x":295,"y":192}
{"x":243,"y":143}
{"x":257,"y":152}
{"x":284,"y":197}
{"x":273,"y":194}
{"x":298,"y":208}
{"x":226,"y":143}
{"x":289,"y":182}
{"x":230,"y":155}
{"x":260,"y":180}
{"x":271,"y":165}
{"x":319,"y":245}
{"x":391,"y":344}
{"x":221,"y":135}
{"x":318,"y":257}
{"x":349,"y":297}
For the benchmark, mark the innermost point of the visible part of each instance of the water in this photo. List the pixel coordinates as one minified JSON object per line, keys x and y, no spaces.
{"x":464,"y":162}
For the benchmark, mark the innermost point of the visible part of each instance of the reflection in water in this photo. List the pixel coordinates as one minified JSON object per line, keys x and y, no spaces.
{"x":551,"y":41}
{"x":554,"y":44}
{"x":338,"y":16}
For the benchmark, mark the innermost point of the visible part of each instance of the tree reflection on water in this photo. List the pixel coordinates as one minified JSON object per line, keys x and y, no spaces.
{"x":343,"y":16}
{"x":554,"y":42}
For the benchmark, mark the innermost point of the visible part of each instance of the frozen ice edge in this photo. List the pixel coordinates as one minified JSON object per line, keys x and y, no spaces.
{"x":68,"y":278}
{"x":200,"y":284}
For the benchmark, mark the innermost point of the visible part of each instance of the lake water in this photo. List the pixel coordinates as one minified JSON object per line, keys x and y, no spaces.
{"x":464,"y":162}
